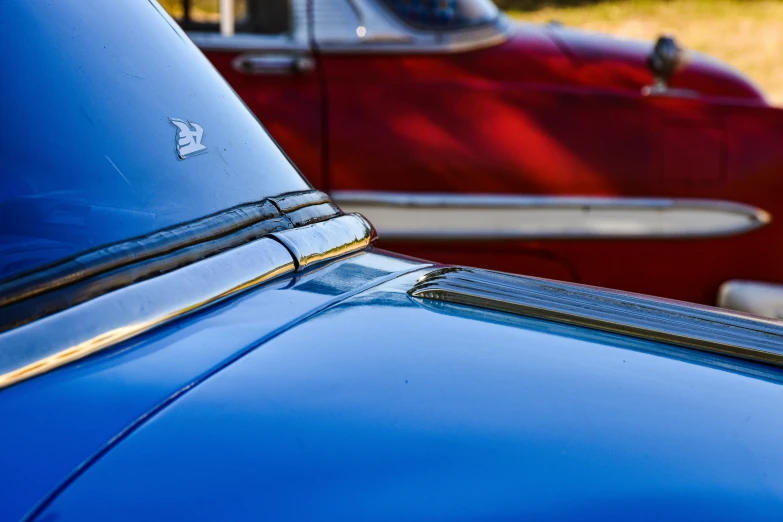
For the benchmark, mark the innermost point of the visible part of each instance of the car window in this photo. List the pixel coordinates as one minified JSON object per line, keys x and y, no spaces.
{"x":444,"y":14}
{"x":251,"y":16}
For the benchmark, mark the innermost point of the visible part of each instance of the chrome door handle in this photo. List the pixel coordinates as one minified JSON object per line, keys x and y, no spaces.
{"x":274,"y":64}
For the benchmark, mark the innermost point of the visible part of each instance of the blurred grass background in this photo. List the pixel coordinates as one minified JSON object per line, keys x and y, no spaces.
{"x":746,"y":34}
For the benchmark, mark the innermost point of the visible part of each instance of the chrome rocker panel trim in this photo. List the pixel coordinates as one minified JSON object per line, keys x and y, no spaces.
{"x":411,"y":216}
{"x":691,"y":326}
{"x":103,"y":321}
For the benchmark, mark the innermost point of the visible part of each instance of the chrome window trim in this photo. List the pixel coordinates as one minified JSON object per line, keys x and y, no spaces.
{"x":377,"y":30}
{"x":430,"y":216}
{"x":105,"y":320}
{"x":691,"y":326}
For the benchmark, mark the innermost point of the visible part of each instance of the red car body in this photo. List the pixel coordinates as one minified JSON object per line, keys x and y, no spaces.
{"x":593,"y":176}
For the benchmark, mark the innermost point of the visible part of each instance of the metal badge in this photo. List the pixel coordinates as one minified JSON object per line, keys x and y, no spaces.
{"x":189,"y":137}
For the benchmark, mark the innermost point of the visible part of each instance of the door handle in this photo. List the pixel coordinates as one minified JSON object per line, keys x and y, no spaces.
{"x":274,"y":64}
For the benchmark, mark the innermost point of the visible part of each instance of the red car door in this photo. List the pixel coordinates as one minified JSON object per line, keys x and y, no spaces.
{"x":264,"y":53}
{"x":430,"y":138}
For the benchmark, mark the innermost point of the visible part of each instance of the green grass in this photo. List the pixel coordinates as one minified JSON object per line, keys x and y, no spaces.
{"x":747,"y":35}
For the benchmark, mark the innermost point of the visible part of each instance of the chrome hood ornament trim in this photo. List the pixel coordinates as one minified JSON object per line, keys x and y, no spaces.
{"x":175,"y":275}
{"x":700,"y":327}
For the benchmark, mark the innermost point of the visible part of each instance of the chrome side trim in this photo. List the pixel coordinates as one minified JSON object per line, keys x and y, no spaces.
{"x":111,"y":257}
{"x":101,"y":321}
{"x":308,"y":215}
{"x":691,"y":326}
{"x":336,"y":237}
{"x":753,"y":297}
{"x":295,"y":201}
{"x":411,"y":216}
{"x":87,"y":275}
{"x":84,"y":329}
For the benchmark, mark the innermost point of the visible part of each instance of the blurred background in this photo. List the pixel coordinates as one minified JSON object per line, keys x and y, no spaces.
{"x":745,"y":34}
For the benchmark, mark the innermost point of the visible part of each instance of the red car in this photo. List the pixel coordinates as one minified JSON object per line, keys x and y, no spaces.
{"x":470,"y":139}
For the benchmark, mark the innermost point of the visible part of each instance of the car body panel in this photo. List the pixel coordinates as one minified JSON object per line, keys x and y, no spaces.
{"x":508,"y":419}
{"x":61,"y":421}
{"x":65,"y":170}
{"x":257,"y":344}
{"x":548,"y":110}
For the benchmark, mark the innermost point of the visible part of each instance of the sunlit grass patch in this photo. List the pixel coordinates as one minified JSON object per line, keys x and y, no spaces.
{"x":747,"y":35}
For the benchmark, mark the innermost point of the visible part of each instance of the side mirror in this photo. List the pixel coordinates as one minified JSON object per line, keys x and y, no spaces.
{"x":664,"y":60}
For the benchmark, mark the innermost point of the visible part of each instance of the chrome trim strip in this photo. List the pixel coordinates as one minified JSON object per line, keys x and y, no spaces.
{"x":312,"y":214}
{"x":87,"y":328}
{"x":692,"y":326}
{"x":753,"y":297}
{"x":104,"y":320}
{"x":295,"y":201}
{"x":411,"y":216}
{"x":336,"y":237}
{"x":89,"y":274}
{"x":110,"y":257}
{"x":61,"y":298}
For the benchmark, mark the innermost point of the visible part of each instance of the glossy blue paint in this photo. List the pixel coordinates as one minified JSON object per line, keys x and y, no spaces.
{"x":57,"y":422}
{"x":383,"y":408}
{"x":88,"y":151}
{"x":330,"y":393}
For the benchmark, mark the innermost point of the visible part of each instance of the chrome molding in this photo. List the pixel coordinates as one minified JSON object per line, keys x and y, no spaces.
{"x":335,"y":237}
{"x":753,"y":297}
{"x":410,"y":216}
{"x":691,"y":326}
{"x":45,"y":291}
{"x":75,"y":332}
{"x":84,"y":329}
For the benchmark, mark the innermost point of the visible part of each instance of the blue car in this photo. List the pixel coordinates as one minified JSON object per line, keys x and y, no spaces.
{"x":188,"y":331}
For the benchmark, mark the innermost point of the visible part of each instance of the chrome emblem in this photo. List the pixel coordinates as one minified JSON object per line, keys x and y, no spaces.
{"x":189,"y":137}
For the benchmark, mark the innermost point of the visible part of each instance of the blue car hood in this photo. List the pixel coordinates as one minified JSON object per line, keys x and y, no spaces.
{"x":385,"y":407}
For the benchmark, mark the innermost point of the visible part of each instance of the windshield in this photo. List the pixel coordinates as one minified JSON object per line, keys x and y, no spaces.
{"x":113,"y":125}
{"x":444,"y":14}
